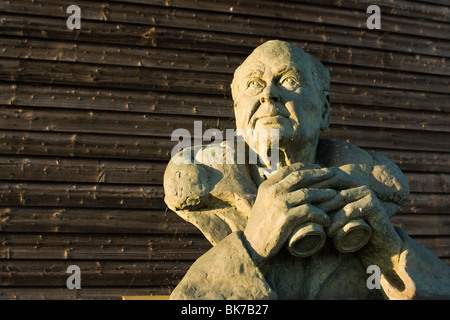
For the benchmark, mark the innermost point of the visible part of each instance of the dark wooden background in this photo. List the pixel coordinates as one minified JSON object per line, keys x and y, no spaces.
{"x":86,"y":119}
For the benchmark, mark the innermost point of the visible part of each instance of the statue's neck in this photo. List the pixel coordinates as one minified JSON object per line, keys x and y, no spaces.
{"x":287,"y":155}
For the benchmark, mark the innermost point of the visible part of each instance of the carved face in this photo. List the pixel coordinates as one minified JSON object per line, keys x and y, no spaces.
{"x":274,"y":89}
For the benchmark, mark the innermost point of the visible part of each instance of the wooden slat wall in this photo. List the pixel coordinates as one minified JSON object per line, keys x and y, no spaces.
{"x":86,"y":119}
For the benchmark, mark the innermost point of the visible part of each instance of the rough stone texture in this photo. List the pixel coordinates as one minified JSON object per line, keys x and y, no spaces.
{"x":249,"y":217}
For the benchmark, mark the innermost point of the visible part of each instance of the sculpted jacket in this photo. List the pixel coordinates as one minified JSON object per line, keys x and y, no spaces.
{"x":217,"y":199}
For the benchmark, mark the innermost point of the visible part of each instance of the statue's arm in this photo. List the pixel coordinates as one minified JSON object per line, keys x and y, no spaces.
{"x":226,"y":271}
{"x":408,"y":270}
{"x":389,"y":183}
{"x":421,"y":273}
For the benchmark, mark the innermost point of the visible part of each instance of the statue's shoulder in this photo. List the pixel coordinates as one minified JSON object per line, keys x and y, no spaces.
{"x":202,"y":188}
{"x":382,"y":174}
{"x":197,"y":176}
{"x":334,"y":153}
{"x":186,"y":183}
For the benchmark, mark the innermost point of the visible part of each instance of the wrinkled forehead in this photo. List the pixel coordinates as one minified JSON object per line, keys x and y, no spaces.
{"x":274,"y":56}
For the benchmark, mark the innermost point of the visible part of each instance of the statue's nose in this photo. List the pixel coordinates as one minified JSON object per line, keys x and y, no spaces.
{"x":269,"y":94}
{"x":270,"y":104}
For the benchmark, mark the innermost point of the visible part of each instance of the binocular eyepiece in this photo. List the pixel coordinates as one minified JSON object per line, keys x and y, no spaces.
{"x":309,"y":238}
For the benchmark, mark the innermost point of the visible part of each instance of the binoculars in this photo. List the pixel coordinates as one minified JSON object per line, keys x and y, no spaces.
{"x":309,"y":238}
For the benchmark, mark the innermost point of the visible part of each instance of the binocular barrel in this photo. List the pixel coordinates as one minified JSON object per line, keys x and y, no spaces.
{"x":353,"y":236}
{"x":306,"y":240}
{"x":309,"y":238}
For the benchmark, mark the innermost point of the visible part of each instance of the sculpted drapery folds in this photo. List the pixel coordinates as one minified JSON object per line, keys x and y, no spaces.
{"x":310,"y":228}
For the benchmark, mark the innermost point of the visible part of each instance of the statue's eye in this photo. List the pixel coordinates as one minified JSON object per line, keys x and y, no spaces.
{"x":254,"y":87}
{"x":290,"y":83}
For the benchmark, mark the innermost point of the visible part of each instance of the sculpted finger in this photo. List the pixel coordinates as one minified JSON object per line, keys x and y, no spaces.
{"x":358,"y":209}
{"x":340,"y":180}
{"x":308,"y":195}
{"x":285,"y":171}
{"x":342,"y":198}
{"x":286,"y":225}
{"x":306,"y":213}
{"x":304,"y":178}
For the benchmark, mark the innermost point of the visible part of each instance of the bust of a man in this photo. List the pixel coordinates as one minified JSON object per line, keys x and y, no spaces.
{"x":309,"y":226}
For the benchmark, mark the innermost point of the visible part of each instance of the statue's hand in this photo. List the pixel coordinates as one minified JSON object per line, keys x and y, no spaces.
{"x":356,"y":200}
{"x":283,"y":203}
{"x":362,"y":203}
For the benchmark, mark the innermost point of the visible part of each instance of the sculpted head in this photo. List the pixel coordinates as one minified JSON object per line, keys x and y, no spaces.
{"x":279,"y":86}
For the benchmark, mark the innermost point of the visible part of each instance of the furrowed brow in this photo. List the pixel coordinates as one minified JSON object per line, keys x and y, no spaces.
{"x":254,"y":73}
{"x":288,"y":70}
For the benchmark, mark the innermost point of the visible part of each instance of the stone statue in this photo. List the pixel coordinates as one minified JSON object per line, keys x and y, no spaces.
{"x":314,"y":227}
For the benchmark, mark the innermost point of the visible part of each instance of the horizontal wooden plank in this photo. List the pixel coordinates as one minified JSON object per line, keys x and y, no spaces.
{"x":98,"y":247}
{"x":165,"y":125}
{"x":220,"y":41}
{"x":366,"y":137}
{"x":123,"y":248}
{"x":440,"y":246}
{"x":75,"y":220}
{"x":423,"y":224}
{"x":122,"y":34}
{"x":145,"y":197}
{"x":375,"y":58}
{"x":84,"y":121}
{"x":157,"y":149}
{"x":216,"y":34}
{"x":119,"y":55}
{"x":52,"y":273}
{"x":112,"y":77}
{"x":315,"y":12}
{"x":389,"y":118}
{"x":85,"y":145}
{"x":281,"y":11}
{"x":81,"y":195}
{"x":148,"y":124}
{"x":436,"y":2}
{"x":115,"y":100}
{"x":429,"y":182}
{"x":78,"y":220}
{"x":289,"y":13}
{"x":114,"y":54}
{"x":119,"y":273}
{"x":431,"y":10}
{"x":425,"y":203}
{"x":81,"y":170}
{"x":418,"y":161}
{"x":19,"y":168}
{"x":57,"y":293}
{"x":75,"y":97}
{"x":194,"y":82}
{"x":353,"y":75}
{"x":360,"y":95}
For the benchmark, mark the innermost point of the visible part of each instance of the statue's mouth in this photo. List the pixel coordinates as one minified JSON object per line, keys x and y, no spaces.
{"x":270,"y":119}
{"x":274,"y":118}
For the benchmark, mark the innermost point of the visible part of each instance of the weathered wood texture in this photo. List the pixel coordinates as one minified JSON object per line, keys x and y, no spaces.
{"x":86,"y":118}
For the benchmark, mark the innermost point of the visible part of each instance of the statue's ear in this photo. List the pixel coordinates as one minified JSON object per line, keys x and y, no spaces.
{"x":326,"y":103}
